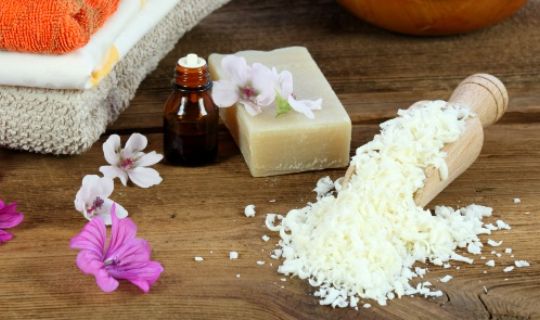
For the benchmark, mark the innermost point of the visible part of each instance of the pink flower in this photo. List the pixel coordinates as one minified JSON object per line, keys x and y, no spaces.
{"x":125,"y":257}
{"x":9,"y":218}
{"x":251,"y":86}
{"x":284,"y":83}
{"x":92,"y":199}
{"x":131,"y":162}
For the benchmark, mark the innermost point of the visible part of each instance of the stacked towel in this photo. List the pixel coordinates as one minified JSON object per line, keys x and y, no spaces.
{"x":86,"y":67}
{"x":69,"y":121}
{"x":51,"y":26}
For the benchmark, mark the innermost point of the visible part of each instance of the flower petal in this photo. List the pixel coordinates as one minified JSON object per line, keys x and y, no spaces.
{"x":147,"y":276}
{"x":236,"y":70}
{"x":114,"y":172}
{"x":144,"y":177}
{"x":285,"y":80}
{"x":91,"y":238}
{"x":89,"y":185}
{"x":105,"y":281}
{"x":301,"y":107}
{"x":9,"y":217}
{"x":131,"y":255}
{"x":106,"y":187}
{"x":148,"y":159}
{"x":94,"y":186}
{"x":251,"y":108}
{"x":135,"y":265}
{"x":121,"y":212}
{"x":5,"y":236}
{"x":111,"y":149}
{"x":136,"y":143}
{"x":142,"y":284}
{"x":79,"y":203}
{"x":123,"y":230}
{"x":313,"y":104}
{"x":84,"y":195}
{"x":225,"y":93}
{"x":89,"y":262}
{"x":105,"y":211}
{"x":262,"y":81}
{"x":152,"y":271}
{"x":265,"y":98}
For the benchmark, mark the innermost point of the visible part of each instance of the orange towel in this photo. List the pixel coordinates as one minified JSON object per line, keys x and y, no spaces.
{"x":51,"y":26}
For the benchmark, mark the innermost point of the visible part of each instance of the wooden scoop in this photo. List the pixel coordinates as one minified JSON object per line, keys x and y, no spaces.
{"x":486,"y":96}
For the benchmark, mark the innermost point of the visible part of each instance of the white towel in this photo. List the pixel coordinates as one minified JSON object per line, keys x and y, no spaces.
{"x":86,"y":67}
{"x":70,"y":121}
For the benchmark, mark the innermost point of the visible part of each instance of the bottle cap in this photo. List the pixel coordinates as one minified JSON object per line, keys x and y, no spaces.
{"x":192,"y":61}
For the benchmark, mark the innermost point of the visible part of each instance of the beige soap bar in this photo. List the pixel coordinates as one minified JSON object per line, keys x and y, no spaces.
{"x":291,"y":142}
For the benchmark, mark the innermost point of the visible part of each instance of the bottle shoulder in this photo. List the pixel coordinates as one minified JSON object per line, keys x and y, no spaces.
{"x":192,"y":104}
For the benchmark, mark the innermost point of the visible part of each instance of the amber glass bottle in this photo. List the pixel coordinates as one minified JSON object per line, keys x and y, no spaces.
{"x":190,"y":120}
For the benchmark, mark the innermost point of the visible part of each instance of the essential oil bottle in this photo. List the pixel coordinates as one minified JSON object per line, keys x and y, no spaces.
{"x":191,"y":119}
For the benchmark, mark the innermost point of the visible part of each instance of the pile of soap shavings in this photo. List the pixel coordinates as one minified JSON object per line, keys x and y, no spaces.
{"x":363,"y":241}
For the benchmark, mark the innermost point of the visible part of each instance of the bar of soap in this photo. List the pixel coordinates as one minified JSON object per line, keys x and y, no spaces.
{"x":290,"y":143}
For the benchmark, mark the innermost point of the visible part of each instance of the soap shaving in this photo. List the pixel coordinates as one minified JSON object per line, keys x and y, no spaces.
{"x":363,"y":242}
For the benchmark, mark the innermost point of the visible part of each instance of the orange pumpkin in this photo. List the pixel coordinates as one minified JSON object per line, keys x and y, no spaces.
{"x":432,"y":17}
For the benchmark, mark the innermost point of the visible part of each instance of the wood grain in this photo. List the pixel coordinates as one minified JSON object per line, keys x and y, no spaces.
{"x":374,"y":72}
{"x":198,"y":211}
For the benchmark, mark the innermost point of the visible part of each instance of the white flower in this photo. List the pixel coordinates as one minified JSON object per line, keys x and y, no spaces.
{"x":250,"y":86}
{"x":284,"y":84}
{"x":131,"y":162}
{"x":93,"y":199}
{"x":256,"y":86}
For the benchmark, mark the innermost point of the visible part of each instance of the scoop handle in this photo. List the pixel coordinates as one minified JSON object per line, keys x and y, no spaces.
{"x":485,"y":95}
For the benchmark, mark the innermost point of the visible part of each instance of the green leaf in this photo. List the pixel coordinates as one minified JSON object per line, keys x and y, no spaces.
{"x":282,"y":106}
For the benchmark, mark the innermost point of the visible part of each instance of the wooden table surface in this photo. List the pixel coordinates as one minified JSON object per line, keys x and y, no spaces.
{"x":199,"y":211}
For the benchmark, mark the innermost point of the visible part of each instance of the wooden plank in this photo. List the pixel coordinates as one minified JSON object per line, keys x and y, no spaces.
{"x":373,"y":71}
{"x":199,"y":212}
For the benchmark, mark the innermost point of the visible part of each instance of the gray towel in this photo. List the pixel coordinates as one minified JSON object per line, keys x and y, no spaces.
{"x":70,"y":121}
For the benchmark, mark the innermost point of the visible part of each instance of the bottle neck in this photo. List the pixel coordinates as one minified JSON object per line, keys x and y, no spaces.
{"x":192,"y":79}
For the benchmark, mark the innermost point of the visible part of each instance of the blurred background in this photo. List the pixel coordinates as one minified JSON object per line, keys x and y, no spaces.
{"x":374,"y":71}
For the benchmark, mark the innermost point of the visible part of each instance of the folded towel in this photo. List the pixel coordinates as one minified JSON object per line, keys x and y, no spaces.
{"x":87,"y":66}
{"x":70,"y":121}
{"x":51,"y":26}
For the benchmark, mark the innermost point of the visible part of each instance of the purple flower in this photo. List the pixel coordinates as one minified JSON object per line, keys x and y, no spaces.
{"x":124,"y":258}
{"x":9,"y":218}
